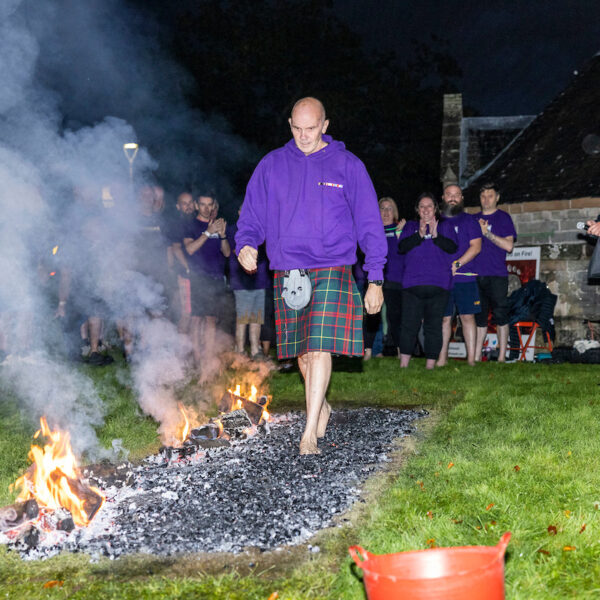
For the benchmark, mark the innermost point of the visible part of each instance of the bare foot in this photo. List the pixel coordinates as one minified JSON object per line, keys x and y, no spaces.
{"x":323,"y":419}
{"x":440,"y":364}
{"x":308,"y":447}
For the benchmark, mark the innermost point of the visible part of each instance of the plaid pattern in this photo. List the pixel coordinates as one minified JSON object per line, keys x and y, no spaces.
{"x":332,"y":321}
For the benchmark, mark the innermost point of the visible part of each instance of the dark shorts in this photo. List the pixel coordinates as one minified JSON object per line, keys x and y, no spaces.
{"x":493,"y":293}
{"x":465,"y":296}
{"x":331,"y":322}
{"x":207,"y":295}
{"x":249,"y":306}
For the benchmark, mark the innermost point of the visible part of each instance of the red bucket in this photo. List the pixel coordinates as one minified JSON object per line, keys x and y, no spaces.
{"x":465,"y":573}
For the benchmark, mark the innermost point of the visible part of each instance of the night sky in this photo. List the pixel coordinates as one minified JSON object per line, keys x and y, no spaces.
{"x":516,"y":55}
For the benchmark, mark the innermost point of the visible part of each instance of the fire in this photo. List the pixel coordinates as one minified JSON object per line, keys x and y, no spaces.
{"x":53,"y":478}
{"x":252,"y":397}
{"x":186,"y":424}
{"x":54,"y":250}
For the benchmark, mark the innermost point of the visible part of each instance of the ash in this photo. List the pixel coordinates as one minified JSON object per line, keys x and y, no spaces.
{"x":255,"y":493}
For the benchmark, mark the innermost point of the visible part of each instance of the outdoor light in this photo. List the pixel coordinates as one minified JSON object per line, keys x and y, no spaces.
{"x":131,"y":150}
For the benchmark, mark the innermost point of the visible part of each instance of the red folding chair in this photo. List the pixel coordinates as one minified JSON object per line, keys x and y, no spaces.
{"x":526,"y":331}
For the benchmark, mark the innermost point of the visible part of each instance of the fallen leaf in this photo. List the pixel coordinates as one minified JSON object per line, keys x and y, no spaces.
{"x":569,"y":453}
{"x":493,"y":523}
{"x":517,"y":468}
{"x":596,"y":505}
{"x":430,"y":514}
{"x":477,"y":526}
{"x":414,"y":390}
{"x":436,"y":474}
{"x":53,"y":583}
{"x":450,"y":465}
{"x":582,"y":528}
{"x":489,"y":506}
{"x":542,"y":551}
{"x":552,"y":529}
{"x":457,"y":521}
{"x":568,"y":514}
{"x":569,"y":548}
{"x":430,"y":542}
{"x":421,"y":485}
{"x":454,"y":392}
{"x":274,"y":596}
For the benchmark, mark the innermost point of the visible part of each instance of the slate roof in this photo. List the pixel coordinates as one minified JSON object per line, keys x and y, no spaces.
{"x":546,"y":161}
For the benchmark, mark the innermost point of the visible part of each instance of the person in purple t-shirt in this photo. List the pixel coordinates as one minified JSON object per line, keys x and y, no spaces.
{"x":206,"y":244}
{"x":427,"y":245}
{"x":249,"y":292}
{"x":464,"y":294}
{"x":394,"y":268}
{"x":499,"y":236}
{"x":312,"y":201}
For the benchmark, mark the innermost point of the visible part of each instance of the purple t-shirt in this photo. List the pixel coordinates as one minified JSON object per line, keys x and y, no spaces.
{"x":394,"y":266}
{"x":313,"y":210}
{"x":427,"y":263}
{"x":466,"y":229}
{"x":238,"y":278}
{"x":492,"y":259}
{"x":209,"y":259}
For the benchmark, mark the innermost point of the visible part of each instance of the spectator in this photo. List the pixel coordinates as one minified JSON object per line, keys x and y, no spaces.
{"x":393,"y":270}
{"x":249,"y":292}
{"x":207,"y":247}
{"x":427,"y":245}
{"x":464,"y":293}
{"x":313,"y":201}
{"x":178,"y":260}
{"x":499,"y":236}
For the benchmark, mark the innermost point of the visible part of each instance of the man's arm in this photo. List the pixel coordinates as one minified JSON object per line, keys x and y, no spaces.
{"x":506,"y":243}
{"x":470,"y":253}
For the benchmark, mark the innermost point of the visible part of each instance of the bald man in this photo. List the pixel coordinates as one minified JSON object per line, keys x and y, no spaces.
{"x":313,"y":202}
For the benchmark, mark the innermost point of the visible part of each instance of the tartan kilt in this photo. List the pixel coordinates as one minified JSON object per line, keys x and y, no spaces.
{"x":332,"y":320}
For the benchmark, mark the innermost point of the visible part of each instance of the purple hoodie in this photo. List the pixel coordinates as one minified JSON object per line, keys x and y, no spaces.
{"x":312,"y":210}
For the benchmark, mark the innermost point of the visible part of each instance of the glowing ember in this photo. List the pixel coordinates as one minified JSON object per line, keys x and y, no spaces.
{"x":53,"y":478}
{"x":54,"y":250}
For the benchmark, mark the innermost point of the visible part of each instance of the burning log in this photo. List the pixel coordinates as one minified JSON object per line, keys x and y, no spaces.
{"x":236,"y":422}
{"x":16,"y":514}
{"x":232,"y":402}
{"x":92,"y":500}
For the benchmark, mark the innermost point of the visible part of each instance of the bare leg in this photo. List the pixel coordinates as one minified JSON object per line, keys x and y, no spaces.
{"x":446,"y":333}
{"x":470,"y":335}
{"x":254,"y":335}
{"x":240,"y":337}
{"x":266,"y":346}
{"x":404,"y":360}
{"x":368,"y":353}
{"x":430,"y":363}
{"x":95,"y":325}
{"x":481,"y":333}
{"x":502,"y":341}
{"x":325,"y":408}
{"x":316,"y":367}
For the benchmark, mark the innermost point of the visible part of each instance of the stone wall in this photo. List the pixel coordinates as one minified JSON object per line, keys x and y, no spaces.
{"x":565,"y":257}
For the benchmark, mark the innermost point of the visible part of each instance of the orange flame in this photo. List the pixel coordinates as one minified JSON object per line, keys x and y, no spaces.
{"x":252,"y":396}
{"x":186,"y":424}
{"x":53,"y":478}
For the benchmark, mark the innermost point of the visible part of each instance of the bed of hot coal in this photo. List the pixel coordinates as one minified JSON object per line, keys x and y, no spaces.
{"x":255,"y":493}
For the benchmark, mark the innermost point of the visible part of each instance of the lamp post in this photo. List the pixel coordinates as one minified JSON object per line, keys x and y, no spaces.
{"x":130,"y":149}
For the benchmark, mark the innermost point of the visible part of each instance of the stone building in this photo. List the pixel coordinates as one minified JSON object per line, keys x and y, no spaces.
{"x":548,"y":174}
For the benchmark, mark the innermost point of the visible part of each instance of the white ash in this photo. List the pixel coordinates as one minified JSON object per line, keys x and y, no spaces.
{"x":256,"y":493}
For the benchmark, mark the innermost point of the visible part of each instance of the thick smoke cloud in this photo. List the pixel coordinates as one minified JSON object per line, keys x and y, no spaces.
{"x":79,"y":80}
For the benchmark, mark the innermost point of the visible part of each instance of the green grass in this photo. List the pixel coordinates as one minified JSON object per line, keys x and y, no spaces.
{"x":508,"y":448}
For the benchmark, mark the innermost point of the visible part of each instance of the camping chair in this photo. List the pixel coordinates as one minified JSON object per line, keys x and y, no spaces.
{"x":526,"y":332}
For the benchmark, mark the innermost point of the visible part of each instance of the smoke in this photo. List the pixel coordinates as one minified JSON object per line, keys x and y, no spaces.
{"x":79,"y":80}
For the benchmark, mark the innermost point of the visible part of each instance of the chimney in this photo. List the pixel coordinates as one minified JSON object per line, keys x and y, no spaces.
{"x":451,"y":127}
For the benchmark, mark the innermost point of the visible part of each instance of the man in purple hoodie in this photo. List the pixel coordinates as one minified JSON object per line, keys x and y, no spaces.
{"x":313,"y":201}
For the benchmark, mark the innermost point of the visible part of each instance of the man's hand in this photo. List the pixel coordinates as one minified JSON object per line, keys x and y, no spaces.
{"x":247,"y":258}
{"x":373,"y":298}
{"x":593,"y":228}
{"x":484,"y":226}
{"x":216,"y":226}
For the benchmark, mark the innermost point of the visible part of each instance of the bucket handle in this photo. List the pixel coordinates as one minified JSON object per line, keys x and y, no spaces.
{"x":503,"y":543}
{"x":357,"y":553}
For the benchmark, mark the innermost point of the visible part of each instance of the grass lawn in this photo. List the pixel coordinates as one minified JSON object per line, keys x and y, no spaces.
{"x":507,"y":448}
